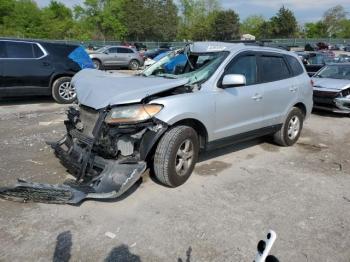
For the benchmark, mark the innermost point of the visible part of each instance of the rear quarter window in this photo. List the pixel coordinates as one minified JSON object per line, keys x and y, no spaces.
{"x":124,"y":50}
{"x":295,"y":65}
{"x":273,"y":68}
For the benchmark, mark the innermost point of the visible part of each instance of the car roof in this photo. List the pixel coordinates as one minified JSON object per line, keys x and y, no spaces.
{"x":208,"y":47}
{"x":35,"y":41}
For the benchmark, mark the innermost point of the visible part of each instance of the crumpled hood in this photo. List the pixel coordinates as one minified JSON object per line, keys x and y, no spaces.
{"x":331,"y":84}
{"x":98,"y":89}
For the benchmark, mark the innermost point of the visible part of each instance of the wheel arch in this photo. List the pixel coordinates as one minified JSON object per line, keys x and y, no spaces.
{"x":57,"y":76}
{"x":198,"y":126}
{"x":302,"y":107}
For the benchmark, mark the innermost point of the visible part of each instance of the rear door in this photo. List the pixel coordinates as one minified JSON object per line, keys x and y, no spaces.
{"x":240,"y":109}
{"x":280,"y":89}
{"x":124,"y":55}
{"x":27,"y":69}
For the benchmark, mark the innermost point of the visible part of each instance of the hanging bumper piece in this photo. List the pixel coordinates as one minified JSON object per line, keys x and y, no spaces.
{"x":113,"y":181}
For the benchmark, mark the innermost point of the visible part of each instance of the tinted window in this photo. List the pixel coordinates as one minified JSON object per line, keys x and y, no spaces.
{"x":2,"y":50}
{"x":295,"y":65}
{"x":19,"y":50}
{"x":245,"y":65}
{"x":112,"y":50}
{"x":124,"y":50}
{"x":273,"y":68}
{"x":37,"y":51}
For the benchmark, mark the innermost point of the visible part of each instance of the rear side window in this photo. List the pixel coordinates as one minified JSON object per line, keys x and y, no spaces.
{"x":245,"y":65}
{"x":273,"y":68}
{"x":295,"y":65}
{"x":19,"y":50}
{"x":124,"y":50}
{"x":2,"y":50}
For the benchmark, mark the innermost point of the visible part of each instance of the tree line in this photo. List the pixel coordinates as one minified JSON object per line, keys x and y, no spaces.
{"x":157,"y":20}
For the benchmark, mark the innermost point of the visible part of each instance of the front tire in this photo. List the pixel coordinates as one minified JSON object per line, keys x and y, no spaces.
{"x":291,"y":129}
{"x":62,"y":90}
{"x":97,"y":63}
{"x":176,"y":156}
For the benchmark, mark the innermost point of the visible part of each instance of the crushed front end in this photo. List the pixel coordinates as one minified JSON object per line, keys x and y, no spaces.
{"x":337,"y":101}
{"x":105,"y":152}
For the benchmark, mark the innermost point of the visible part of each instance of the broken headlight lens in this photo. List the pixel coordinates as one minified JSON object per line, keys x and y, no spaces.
{"x":131,"y":114}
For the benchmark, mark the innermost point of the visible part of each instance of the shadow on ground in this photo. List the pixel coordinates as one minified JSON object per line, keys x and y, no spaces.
{"x":11,"y":101}
{"x":64,"y":245}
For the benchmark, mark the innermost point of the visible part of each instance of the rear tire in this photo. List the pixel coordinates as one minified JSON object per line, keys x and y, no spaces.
{"x":176,"y":156}
{"x":291,"y":129}
{"x":62,"y":91}
{"x":134,"y":64}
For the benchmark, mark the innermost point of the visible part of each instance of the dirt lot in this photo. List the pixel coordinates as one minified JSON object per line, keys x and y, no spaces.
{"x":234,"y":197}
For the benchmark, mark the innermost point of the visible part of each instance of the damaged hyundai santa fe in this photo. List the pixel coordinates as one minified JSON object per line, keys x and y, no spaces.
{"x":221,"y":93}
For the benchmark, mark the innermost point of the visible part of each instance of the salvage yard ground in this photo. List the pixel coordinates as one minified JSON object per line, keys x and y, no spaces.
{"x":235,"y":195}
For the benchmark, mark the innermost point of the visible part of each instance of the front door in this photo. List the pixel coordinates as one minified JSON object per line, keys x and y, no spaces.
{"x":239,"y":109}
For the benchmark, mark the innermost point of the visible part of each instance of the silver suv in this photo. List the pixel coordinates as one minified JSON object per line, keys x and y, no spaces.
{"x":120,"y":56}
{"x":207,"y":95}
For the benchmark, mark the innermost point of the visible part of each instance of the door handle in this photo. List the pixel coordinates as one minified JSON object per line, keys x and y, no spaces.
{"x":46,"y":64}
{"x":257,"y":97}
{"x":293,"y":89}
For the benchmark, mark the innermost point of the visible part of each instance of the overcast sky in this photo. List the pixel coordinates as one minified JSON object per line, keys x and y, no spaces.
{"x":305,"y":10}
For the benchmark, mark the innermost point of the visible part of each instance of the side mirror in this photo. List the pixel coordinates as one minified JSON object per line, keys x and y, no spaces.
{"x":233,"y":80}
{"x":106,"y":52}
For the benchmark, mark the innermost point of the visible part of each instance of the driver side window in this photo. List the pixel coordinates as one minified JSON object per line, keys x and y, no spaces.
{"x":244,"y":65}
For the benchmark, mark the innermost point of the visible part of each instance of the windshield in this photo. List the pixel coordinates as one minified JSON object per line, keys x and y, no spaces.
{"x":335,"y":71}
{"x":100,"y":50}
{"x":198,"y":67}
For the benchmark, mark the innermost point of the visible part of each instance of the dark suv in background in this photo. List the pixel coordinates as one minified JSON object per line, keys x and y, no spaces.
{"x":29,"y":68}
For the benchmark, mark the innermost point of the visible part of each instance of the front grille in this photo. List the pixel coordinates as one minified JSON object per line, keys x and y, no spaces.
{"x":88,"y":118}
{"x":327,"y":94}
{"x":323,"y":101}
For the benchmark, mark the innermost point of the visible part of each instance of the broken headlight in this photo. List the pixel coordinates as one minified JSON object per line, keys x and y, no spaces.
{"x":132,"y":113}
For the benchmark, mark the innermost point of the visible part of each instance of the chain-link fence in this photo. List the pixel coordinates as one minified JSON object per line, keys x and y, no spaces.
{"x":301,"y":42}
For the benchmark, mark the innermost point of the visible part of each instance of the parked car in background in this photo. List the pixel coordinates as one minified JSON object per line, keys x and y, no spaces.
{"x":116,"y":56}
{"x":155,"y":52}
{"x":342,"y":58}
{"x":217,"y":94}
{"x":314,"y":61}
{"x":332,"y":88}
{"x":30,"y":68}
{"x":140,"y":46}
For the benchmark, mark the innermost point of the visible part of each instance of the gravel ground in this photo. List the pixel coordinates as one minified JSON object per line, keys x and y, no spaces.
{"x":235,"y":195}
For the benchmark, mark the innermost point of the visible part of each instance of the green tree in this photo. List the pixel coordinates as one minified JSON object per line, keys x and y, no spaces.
{"x":150,"y":19}
{"x":333,"y":19}
{"x":196,"y":17}
{"x":57,"y":21}
{"x":100,"y":19}
{"x":316,"y":30}
{"x":22,"y":19}
{"x":345,"y":28}
{"x":252,"y":25}
{"x":284,"y":23}
{"x":225,"y":25}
